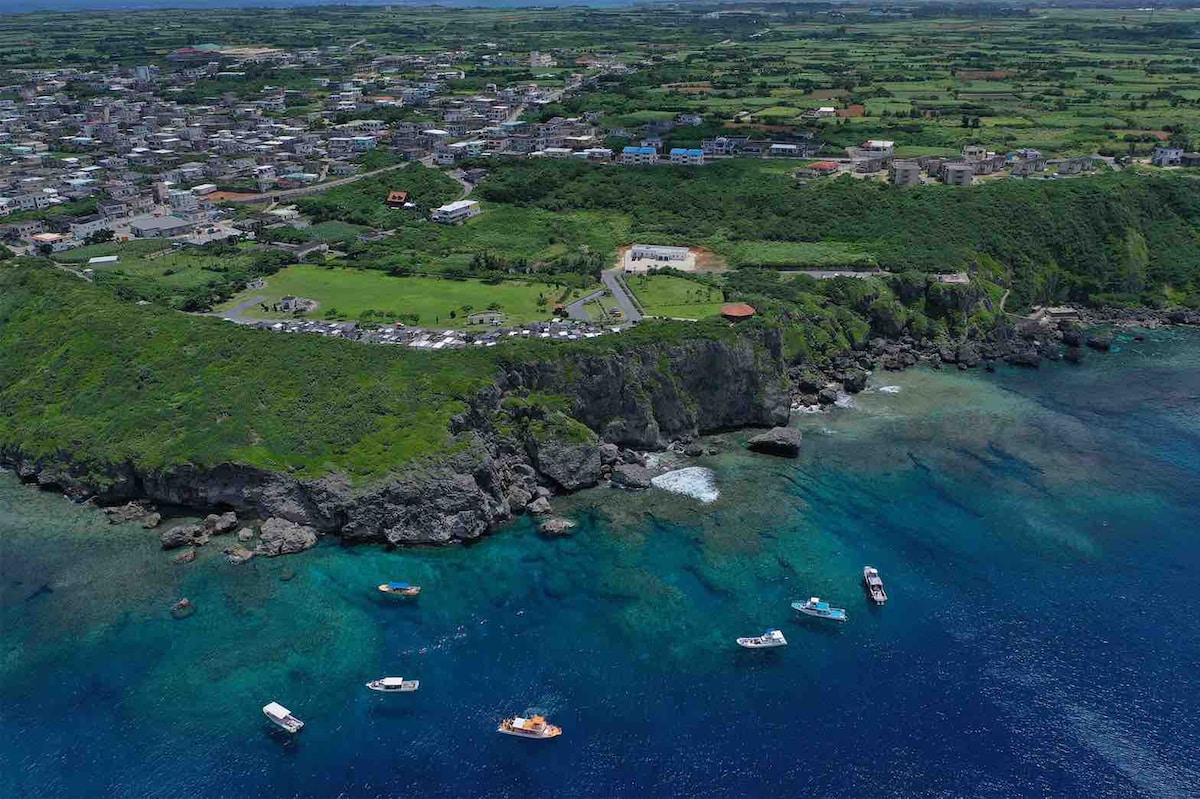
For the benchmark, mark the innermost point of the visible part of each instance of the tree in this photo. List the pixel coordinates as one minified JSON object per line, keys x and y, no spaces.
{"x":100,"y":237}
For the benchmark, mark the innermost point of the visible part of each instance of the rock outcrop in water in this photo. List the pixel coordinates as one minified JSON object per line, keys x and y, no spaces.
{"x":502,"y":460}
{"x":781,"y":441}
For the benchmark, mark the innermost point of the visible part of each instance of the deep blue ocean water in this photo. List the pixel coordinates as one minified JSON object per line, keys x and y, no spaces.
{"x":1037,"y":531}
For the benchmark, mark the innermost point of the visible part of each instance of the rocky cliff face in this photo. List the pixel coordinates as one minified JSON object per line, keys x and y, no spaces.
{"x":648,"y":398}
{"x":494,"y":469}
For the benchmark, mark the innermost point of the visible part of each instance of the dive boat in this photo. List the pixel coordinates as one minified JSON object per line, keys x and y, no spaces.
{"x":394,"y":685}
{"x":282,"y":718}
{"x":874,"y":585}
{"x":400,"y":589}
{"x":536,"y":727}
{"x":767,"y":640}
{"x":815,"y":607}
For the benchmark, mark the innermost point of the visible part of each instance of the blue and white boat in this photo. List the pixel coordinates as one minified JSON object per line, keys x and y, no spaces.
{"x":815,"y":607}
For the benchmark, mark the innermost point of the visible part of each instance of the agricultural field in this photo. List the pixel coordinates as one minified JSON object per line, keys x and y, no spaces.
{"x":674,"y":297}
{"x":370,"y":295}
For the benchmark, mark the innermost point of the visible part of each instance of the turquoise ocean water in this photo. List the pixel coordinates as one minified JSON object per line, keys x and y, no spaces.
{"x":1037,"y":531}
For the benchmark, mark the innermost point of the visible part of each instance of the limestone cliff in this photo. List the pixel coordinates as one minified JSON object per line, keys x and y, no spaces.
{"x":503,"y":453}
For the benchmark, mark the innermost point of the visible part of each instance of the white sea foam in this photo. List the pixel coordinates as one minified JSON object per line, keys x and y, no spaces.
{"x":844,"y":400}
{"x":693,"y":481}
{"x":889,"y":389}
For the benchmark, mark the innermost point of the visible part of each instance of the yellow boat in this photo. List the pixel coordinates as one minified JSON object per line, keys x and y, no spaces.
{"x":536,"y":727}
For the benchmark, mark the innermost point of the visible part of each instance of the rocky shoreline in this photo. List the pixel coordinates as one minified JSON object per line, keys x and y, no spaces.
{"x":1027,"y":343}
{"x":507,"y":459}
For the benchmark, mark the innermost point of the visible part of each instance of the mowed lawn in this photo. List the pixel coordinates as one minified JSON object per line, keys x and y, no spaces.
{"x":674,"y":297}
{"x":353,"y":293}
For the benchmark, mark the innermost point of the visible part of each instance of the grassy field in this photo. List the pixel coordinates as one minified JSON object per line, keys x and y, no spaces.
{"x":333,"y":232}
{"x":126,"y":250}
{"x":363,"y":293}
{"x":796,"y":254}
{"x":674,"y":297}
{"x":184,"y":278}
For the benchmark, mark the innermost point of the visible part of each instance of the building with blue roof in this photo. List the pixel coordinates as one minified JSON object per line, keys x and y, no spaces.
{"x":639,"y":155}
{"x":686,"y":155}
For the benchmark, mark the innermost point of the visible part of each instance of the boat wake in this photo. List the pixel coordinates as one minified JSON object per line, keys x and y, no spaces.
{"x":696,"y":482}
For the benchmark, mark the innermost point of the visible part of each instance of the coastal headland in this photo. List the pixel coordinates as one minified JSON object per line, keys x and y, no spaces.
{"x":513,"y":430}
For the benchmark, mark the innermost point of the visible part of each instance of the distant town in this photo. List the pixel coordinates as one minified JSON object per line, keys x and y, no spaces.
{"x":133,"y":161}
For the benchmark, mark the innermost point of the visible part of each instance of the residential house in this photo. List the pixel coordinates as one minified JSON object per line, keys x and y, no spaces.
{"x":639,"y":155}
{"x":1074,"y":166}
{"x":1167,"y":156}
{"x":905,"y":173}
{"x":83,"y":226}
{"x":688,"y":156}
{"x":723,"y":145}
{"x":958,"y":174}
{"x":159,"y":227}
{"x":456,"y":213}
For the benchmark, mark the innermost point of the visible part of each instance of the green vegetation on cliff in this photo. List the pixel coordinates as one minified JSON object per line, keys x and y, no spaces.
{"x":97,"y":380}
{"x":109,"y":381}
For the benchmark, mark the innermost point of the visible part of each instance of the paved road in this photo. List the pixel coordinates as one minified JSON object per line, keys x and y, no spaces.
{"x":575,"y":309}
{"x":468,"y":186}
{"x":616,"y":284}
{"x":287,"y":194}
{"x":234,"y":314}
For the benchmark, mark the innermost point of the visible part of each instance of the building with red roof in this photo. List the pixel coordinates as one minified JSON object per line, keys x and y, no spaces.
{"x":737,"y":311}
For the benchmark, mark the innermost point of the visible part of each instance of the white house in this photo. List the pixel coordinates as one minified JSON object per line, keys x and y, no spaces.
{"x":879,"y":147}
{"x":456,"y":213}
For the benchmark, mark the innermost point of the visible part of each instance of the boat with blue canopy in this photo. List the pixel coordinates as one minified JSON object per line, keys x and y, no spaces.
{"x":821,"y":610}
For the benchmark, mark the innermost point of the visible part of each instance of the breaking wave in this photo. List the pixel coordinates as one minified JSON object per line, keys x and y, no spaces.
{"x":692,"y":481}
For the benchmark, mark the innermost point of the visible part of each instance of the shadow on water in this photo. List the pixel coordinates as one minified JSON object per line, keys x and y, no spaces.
{"x":391,"y":710}
{"x":43,"y":590}
{"x":288,"y":743}
{"x":821,"y":626}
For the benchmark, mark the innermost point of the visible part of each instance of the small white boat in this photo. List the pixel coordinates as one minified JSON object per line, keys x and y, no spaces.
{"x":400,"y":589}
{"x":767,"y":640}
{"x":394,"y":685}
{"x":874,"y":584}
{"x":282,"y":718}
